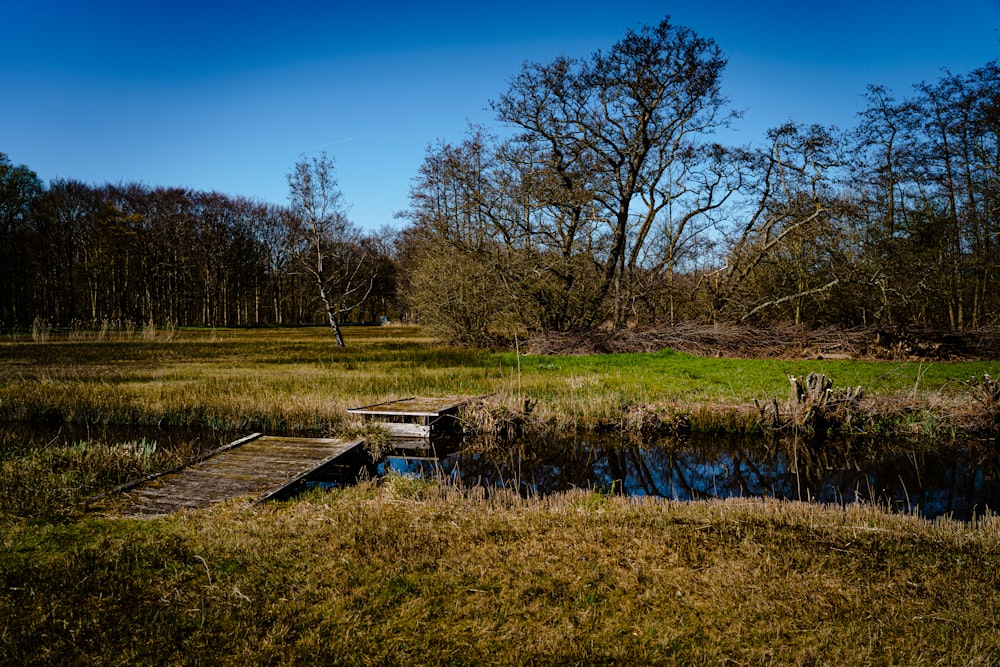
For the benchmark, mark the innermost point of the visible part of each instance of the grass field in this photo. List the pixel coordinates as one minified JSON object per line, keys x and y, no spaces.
{"x":298,"y":380}
{"x":407,"y":571}
{"x":411,"y":572}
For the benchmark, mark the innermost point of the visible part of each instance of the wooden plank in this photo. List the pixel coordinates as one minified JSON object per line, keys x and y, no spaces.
{"x":407,"y":457}
{"x":401,"y":430}
{"x":262,"y":466}
{"x":412,"y":443}
{"x":197,"y":459}
{"x":294,"y":480}
{"x":415,"y":406}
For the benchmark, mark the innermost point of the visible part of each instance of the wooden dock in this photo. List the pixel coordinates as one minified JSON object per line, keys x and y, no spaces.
{"x":260,"y":466}
{"x":416,"y":417}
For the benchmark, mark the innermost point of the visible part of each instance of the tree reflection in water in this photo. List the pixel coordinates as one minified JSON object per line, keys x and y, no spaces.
{"x":959,"y":480}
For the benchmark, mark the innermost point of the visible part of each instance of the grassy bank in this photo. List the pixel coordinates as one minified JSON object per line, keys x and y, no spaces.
{"x":409,"y":572}
{"x":53,"y":481}
{"x":298,"y":380}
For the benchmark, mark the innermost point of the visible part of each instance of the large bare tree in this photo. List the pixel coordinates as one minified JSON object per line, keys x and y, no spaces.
{"x":621,"y":126}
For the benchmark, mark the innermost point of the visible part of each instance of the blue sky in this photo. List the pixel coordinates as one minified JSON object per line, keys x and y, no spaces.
{"x":226,"y":96}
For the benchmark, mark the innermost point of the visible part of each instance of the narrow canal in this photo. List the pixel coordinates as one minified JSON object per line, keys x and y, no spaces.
{"x":960,"y":479}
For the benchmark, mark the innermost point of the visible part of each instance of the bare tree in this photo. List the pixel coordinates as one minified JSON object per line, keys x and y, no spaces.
{"x":784,"y":248}
{"x":326,"y":245}
{"x":620,"y":127}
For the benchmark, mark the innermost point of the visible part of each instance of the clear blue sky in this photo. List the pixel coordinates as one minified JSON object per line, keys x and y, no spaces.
{"x":225,"y":96}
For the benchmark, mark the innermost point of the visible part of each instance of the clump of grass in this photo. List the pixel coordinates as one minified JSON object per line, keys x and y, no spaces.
{"x":409,"y":487}
{"x":378,"y":440}
{"x":41,"y":330}
{"x":501,"y":415}
{"x":733,"y":419}
{"x":55,"y":480}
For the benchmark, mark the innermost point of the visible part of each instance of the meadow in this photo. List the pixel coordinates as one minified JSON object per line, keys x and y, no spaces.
{"x":297,"y":380}
{"x":409,"y":571}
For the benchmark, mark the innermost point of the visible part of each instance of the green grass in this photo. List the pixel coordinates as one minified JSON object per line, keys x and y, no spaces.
{"x":298,"y":380}
{"x":673,"y":376}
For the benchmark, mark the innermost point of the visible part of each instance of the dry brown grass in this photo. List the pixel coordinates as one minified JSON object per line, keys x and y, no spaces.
{"x":296,"y":380}
{"x":415,"y":572}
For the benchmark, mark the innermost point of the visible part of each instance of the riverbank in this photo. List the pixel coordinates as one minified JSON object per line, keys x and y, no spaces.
{"x":406,"y":571}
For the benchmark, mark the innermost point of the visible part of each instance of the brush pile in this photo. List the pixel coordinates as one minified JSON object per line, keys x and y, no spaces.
{"x":782,"y":342}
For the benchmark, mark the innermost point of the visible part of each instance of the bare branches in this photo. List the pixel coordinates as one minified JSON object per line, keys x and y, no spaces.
{"x":326,"y":245}
{"x":790,"y":297}
{"x":624,"y":116}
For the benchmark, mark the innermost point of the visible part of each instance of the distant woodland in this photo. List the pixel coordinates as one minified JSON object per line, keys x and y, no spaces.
{"x":600,"y":199}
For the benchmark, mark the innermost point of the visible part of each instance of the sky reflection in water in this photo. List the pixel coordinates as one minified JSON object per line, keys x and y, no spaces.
{"x":961,"y":481}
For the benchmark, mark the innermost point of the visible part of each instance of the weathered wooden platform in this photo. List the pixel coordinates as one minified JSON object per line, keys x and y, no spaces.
{"x":261,"y":466}
{"x":415,"y":417}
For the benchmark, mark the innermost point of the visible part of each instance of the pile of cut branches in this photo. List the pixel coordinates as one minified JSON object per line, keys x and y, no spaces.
{"x":779,"y":341}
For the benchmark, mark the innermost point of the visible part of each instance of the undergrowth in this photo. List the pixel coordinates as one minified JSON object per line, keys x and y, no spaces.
{"x":54,"y":481}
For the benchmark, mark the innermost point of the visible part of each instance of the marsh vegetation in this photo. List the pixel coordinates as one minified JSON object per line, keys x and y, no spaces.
{"x":466,"y":569}
{"x":292,"y":380}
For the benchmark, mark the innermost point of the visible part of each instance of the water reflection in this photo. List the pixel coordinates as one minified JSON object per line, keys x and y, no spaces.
{"x":961,"y":480}
{"x":958,"y":480}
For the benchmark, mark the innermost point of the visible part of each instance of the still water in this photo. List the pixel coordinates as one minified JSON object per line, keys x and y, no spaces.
{"x":961,"y":480}
{"x":957,"y":480}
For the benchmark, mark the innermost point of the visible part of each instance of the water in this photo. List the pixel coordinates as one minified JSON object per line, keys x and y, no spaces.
{"x":961,"y":480}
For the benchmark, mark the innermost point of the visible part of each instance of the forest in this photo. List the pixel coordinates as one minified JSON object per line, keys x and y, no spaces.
{"x":600,"y":199}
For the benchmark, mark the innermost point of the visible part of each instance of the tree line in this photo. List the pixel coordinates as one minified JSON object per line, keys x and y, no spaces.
{"x":606,"y":201}
{"x":600,"y":198}
{"x":73,"y":254}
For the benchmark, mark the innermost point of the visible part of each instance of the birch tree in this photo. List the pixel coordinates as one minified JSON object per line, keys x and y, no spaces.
{"x":327,"y":246}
